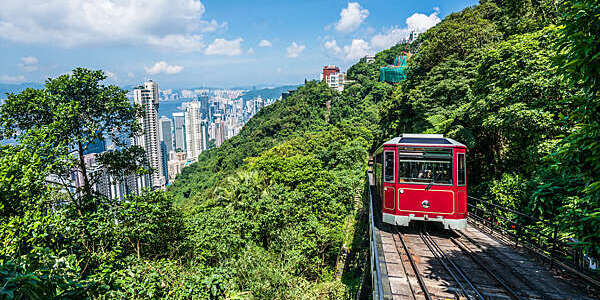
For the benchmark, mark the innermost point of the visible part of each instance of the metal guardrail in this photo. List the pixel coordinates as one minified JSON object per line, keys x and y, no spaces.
{"x":525,"y":230}
{"x":376,"y":281}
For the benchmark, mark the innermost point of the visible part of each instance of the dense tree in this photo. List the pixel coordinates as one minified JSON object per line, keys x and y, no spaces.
{"x":579,"y":154}
{"x":74,"y":111}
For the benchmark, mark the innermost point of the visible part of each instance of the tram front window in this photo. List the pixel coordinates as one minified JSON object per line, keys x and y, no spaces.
{"x":425,"y":165}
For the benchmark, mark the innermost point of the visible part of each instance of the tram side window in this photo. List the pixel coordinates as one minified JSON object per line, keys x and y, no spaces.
{"x":388,"y":174}
{"x":378,"y":166}
{"x":461,"y":169}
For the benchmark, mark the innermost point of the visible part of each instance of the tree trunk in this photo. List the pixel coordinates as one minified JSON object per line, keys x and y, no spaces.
{"x":87,"y":189}
{"x":138,"y":249}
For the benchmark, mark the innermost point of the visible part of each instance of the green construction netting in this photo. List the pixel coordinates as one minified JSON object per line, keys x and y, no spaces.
{"x":395,"y":73}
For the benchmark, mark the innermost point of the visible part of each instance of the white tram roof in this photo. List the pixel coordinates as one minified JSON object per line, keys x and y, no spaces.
{"x":408,"y":139}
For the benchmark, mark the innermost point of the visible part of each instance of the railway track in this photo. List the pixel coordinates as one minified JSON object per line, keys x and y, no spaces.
{"x":449,"y":264}
{"x":404,"y":252}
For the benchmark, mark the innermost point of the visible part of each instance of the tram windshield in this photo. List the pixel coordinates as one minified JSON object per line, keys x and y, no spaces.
{"x":425,"y":165}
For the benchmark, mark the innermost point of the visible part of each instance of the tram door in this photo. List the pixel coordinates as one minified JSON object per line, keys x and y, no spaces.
{"x":461,"y":181}
{"x":389,"y":181}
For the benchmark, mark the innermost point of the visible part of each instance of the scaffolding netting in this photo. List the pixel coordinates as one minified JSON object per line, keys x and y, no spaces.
{"x":395,"y":73}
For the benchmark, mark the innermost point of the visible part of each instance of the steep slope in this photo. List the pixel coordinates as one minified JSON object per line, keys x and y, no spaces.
{"x":279,"y":194}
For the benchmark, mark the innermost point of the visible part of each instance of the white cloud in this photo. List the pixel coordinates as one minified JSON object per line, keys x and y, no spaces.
{"x":213,"y":25}
{"x":251,"y":51}
{"x":265,"y":43}
{"x":178,"y":42}
{"x":163,"y":67}
{"x":389,"y":38}
{"x":29,"y":63}
{"x":111,"y":75}
{"x":359,"y":48}
{"x":12,"y":79}
{"x":333,"y":47}
{"x":130,"y":75}
{"x":72,"y":23}
{"x":225,"y":47}
{"x":29,"y":60}
{"x":417,"y":22}
{"x":420,"y":22}
{"x":294,"y":50}
{"x":351,"y":17}
{"x":279,"y":70}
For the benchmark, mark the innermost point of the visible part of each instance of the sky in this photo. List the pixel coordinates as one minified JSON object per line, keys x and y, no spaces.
{"x":193,"y":43}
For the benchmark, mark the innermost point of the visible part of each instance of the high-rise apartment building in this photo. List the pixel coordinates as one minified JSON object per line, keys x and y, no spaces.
{"x":204,"y":106}
{"x":204,"y":134}
{"x":219,"y":132}
{"x":179,"y":125}
{"x":196,"y":130}
{"x":166,"y":143}
{"x":166,"y":132}
{"x":147,"y":97}
{"x":259,"y":103}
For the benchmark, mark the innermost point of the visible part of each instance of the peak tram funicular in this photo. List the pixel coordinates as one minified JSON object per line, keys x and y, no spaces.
{"x":422,"y":177}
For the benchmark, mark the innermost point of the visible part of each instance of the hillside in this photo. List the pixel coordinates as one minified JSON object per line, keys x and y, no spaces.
{"x":268,"y":193}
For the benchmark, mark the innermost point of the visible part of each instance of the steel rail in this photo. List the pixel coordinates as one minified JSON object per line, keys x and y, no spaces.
{"x":493,"y":253}
{"x":511,"y":293}
{"x":441,"y":260}
{"x":414,"y":267}
{"x":456,"y":267}
{"x":404,"y":269}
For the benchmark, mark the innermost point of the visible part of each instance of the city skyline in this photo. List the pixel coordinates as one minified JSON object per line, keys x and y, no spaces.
{"x":193,"y":43}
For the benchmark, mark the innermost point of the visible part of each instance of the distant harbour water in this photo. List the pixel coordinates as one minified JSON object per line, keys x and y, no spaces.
{"x":167,"y":108}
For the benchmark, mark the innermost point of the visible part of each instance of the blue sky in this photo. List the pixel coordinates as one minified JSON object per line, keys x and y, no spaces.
{"x":191,"y":43}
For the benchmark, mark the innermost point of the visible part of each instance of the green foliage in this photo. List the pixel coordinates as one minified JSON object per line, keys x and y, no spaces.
{"x":459,"y":35}
{"x":42,"y":274}
{"x":579,"y":153}
{"x":22,"y":175}
{"x":164,"y":279}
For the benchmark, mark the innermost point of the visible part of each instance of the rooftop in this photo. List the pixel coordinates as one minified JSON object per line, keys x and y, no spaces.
{"x":409,"y":139}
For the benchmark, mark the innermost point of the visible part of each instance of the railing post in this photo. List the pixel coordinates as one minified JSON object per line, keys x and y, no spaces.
{"x":553,"y":246}
{"x":493,"y":217}
{"x":518,"y":234}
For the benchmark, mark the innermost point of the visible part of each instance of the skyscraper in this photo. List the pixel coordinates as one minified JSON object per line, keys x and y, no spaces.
{"x":193,"y":130}
{"x":219,"y":132}
{"x":179,"y":123}
{"x":259,"y":103}
{"x":166,"y":133}
{"x":204,"y":133}
{"x":204,"y":108}
{"x":166,"y":143}
{"x":147,"y":97}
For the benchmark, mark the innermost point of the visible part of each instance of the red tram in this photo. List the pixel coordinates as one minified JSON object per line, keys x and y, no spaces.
{"x":422,"y":177}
